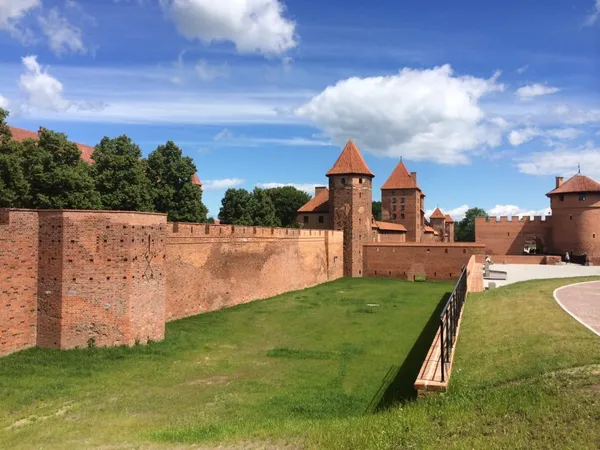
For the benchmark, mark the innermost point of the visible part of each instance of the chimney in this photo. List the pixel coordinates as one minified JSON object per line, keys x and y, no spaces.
{"x":319,"y":189}
{"x":413,"y":175}
{"x":559,"y":181}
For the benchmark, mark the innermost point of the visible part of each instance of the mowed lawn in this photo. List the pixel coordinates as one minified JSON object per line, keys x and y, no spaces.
{"x":266,"y":371}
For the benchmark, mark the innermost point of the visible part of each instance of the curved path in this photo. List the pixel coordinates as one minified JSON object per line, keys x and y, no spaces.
{"x":582,"y":302}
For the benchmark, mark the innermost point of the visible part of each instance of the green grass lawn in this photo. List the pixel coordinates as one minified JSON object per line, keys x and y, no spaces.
{"x":268,"y":370}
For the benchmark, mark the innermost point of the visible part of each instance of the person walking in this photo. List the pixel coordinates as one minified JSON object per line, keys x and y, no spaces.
{"x":567,"y":258}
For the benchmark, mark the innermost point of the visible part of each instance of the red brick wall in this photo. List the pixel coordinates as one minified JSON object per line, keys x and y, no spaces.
{"x":18,"y":279}
{"x":210,"y":267}
{"x":386,"y":236}
{"x":101,"y":278}
{"x":407,"y":202}
{"x":507,"y":237}
{"x":522,"y":259}
{"x":439,"y":261}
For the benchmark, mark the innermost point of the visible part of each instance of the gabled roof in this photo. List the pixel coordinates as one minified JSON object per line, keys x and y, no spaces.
{"x":318,"y":204}
{"x":400,"y":179}
{"x":449,"y":218}
{"x":387,"y":226}
{"x":579,"y":183}
{"x":196,"y":180}
{"x":428,"y":229}
{"x":350,"y":162}
{"x":19,"y":134}
{"x":437,"y":214}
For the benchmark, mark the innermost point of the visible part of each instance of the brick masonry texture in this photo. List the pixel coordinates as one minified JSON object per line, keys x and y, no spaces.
{"x":18,"y":280}
{"x":72,"y":278}
{"x":503,"y":236}
{"x":215,"y":266}
{"x":437,"y":261}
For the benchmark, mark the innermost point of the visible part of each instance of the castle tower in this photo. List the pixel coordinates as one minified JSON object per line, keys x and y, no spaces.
{"x":350,"y":203}
{"x":449,"y":231}
{"x":403,"y":202}
{"x":437,"y":220}
{"x":576,"y":217}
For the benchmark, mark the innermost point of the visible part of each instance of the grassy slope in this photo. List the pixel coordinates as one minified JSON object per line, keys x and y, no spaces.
{"x":266,"y":369}
{"x":527,"y":376}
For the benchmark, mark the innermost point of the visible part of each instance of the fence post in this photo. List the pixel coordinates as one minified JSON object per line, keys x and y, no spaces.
{"x":442,"y":358}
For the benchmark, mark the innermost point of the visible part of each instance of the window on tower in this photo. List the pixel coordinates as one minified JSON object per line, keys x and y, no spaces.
{"x":394,"y":216}
{"x":321,"y":219}
{"x":562,"y":198}
{"x":582,"y":197}
{"x":402,"y":199}
{"x":402,"y":217}
{"x":305,"y":219}
{"x":393,"y":207}
{"x":402,"y":207}
{"x":360,"y":180}
{"x":343,"y":181}
{"x":394,"y":200}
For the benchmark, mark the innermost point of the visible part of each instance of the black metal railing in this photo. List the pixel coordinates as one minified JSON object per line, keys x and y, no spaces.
{"x":449,"y":320}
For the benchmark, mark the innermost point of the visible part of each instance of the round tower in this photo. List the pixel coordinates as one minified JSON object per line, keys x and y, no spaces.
{"x":350,"y":203}
{"x":576,"y":217}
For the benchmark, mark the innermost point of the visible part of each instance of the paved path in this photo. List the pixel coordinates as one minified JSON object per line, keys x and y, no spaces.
{"x":582,"y":301}
{"x":523,"y":272}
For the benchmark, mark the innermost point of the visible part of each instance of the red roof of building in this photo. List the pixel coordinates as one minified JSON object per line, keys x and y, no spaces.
{"x":437,"y":214}
{"x":428,"y":229}
{"x":388,"y":226}
{"x":319,"y":203}
{"x":449,"y":218}
{"x":350,"y":162}
{"x":20,"y":134}
{"x":579,"y":183}
{"x":400,"y":179}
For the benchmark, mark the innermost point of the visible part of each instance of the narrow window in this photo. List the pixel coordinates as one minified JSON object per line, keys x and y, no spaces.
{"x":402,"y":217}
{"x":582,"y":197}
{"x":570,"y":216}
{"x":343,"y":181}
{"x":360,"y":180}
{"x":393,"y":207}
{"x":321,"y":219}
{"x":394,"y":216}
{"x":394,"y":200}
{"x":305,"y":219}
{"x":562,"y":198}
{"x":402,"y":199}
{"x":402,"y":207}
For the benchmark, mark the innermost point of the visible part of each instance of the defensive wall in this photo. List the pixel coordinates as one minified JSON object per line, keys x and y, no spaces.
{"x":438,"y":261}
{"x":77,"y":278}
{"x":507,"y":236}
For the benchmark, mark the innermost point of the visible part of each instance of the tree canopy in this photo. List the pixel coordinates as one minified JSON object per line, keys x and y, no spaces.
{"x":376,"y":209}
{"x":287,"y":200}
{"x":464,"y":231}
{"x":256,"y":208}
{"x":14,"y":188}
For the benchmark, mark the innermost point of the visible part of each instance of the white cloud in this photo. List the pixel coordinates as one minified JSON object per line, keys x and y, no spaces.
{"x":592,"y":18}
{"x":562,"y":162}
{"x":564,"y":133}
{"x":306,"y":187}
{"x":518,"y":137}
{"x":62,"y":35}
{"x":251,"y":25}
{"x":535,"y":90}
{"x":43,"y":91}
{"x":207,"y":72}
{"x":417,"y":114}
{"x":225,"y":183}
{"x":222,"y":135}
{"x":577,"y":116}
{"x":522,"y":70}
{"x":3,"y":102}
{"x":516,"y":211}
{"x":11,"y":12}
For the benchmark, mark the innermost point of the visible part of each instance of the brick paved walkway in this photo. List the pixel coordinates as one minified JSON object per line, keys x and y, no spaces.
{"x":582,"y":301}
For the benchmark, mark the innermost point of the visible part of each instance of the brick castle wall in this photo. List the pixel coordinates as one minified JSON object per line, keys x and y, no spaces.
{"x":438,"y":261}
{"x":502,"y":236}
{"x":215,"y":266}
{"x":18,"y":280}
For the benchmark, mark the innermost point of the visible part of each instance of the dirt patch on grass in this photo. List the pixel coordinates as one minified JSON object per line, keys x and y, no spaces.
{"x":210,"y":381}
{"x":31,"y":419}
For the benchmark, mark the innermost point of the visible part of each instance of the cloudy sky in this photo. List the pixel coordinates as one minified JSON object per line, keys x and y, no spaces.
{"x":487,"y":101}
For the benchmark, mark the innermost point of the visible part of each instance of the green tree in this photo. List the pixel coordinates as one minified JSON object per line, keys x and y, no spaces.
{"x":263,"y":210}
{"x":236,"y":207}
{"x":14,"y":188}
{"x":120,"y":175}
{"x":376,"y":209}
{"x":170,"y":176}
{"x":287,"y":200}
{"x":464,"y":230}
{"x":59,"y":179}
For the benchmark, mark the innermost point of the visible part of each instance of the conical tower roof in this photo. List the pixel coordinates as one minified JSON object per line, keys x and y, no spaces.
{"x":437,"y":214}
{"x":577,"y":184}
{"x":400,"y":179}
{"x":350,"y":162}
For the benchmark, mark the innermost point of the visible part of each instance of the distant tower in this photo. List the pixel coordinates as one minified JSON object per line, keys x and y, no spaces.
{"x":403,"y":202}
{"x":350,"y":203}
{"x":437,"y":220}
{"x":449,"y":236}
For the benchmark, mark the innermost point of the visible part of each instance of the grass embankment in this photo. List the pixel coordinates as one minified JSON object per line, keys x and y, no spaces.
{"x":271,"y":369}
{"x":526,"y":375}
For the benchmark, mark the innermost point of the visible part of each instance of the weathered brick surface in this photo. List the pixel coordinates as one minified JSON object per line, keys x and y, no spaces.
{"x":215,"y":266}
{"x":438,"y":261}
{"x":503,"y":236}
{"x":18,"y":280}
{"x":408,"y":202}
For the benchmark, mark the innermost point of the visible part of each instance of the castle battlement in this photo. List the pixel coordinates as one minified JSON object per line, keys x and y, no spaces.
{"x":204,"y":229}
{"x":514,"y":219}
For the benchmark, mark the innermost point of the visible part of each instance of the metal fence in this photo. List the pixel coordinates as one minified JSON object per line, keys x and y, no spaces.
{"x":449,"y":320}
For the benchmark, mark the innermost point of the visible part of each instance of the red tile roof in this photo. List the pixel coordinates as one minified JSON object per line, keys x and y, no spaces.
{"x":387,"y":226}
{"x":350,"y":162}
{"x":319,"y":203}
{"x":428,"y":229}
{"x":579,"y":183}
{"x":20,"y":134}
{"x":437,"y":214}
{"x":400,"y":179}
{"x":449,"y":218}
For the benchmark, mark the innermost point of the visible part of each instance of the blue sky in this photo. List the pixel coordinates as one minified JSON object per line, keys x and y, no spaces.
{"x":487,"y":101}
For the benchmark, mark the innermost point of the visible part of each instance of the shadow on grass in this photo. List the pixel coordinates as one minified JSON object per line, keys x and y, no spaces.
{"x":398,"y":384}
